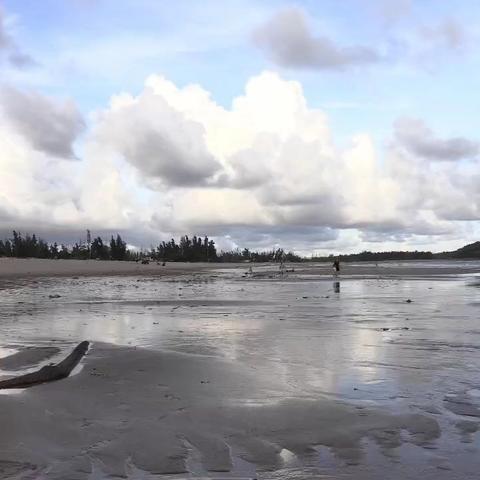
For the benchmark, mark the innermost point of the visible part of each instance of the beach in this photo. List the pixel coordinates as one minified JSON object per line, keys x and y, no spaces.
{"x":36,"y":267}
{"x":210,"y":371}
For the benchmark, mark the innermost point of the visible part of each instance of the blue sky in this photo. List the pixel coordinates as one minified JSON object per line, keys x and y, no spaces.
{"x":361,"y":64}
{"x":208,"y":43}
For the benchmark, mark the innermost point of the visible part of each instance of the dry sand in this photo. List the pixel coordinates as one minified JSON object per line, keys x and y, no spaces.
{"x":37,"y":267}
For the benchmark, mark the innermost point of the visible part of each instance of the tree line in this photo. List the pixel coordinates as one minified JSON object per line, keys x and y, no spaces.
{"x":367,"y":256}
{"x":274,"y":255}
{"x":33,"y":247}
{"x":195,"y":249}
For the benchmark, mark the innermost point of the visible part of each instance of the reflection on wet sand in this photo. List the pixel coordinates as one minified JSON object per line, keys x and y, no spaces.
{"x":260,"y":366}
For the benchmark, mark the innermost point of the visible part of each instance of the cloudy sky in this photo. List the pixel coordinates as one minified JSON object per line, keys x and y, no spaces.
{"x":317,"y":125}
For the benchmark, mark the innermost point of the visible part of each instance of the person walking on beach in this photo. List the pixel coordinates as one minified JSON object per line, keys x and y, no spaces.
{"x":336,"y":266}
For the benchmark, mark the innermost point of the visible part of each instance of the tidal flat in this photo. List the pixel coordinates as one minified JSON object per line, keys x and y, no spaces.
{"x":215,"y":372}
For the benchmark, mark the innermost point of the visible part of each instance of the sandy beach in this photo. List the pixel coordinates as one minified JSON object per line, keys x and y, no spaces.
{"x":36,"y":267}
{"x":197,"y":204}
{"x":210,"y":372}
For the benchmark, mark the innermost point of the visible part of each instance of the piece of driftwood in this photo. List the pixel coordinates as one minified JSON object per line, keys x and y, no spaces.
{"x":49,"y":373}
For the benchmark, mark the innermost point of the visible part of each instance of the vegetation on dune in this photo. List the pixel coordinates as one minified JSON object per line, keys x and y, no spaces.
{"x":197,"y":249}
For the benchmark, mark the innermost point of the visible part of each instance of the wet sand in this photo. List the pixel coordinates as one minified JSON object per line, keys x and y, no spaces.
{"x":220,"y":374}
{"x":27,"y":356}
{"x":35,"y":267}
{"x":164,"y":413}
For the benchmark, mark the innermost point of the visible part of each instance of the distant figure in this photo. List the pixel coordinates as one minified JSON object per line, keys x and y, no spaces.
{"x":336,"y":266}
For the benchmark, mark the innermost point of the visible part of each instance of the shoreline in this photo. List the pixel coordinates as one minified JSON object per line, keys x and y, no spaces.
{"x":27,"y":268}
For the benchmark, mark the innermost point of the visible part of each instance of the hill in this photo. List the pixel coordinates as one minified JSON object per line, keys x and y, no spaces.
{"x":471,"y":250}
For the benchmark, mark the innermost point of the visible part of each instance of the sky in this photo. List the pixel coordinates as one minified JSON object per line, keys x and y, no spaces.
{"x":318,"y":126}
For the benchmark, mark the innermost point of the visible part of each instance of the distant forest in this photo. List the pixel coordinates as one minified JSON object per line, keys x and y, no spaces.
{"x":196,"y":249}
{"x":376,"y":256}
{"x":471,"y":251}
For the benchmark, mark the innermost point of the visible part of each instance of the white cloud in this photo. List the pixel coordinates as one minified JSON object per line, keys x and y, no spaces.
{"x":265,"y":171}
{"x":160,"y":141}
{"x":42,"y":191}
{"x":33,"y":188}
{"x":276,"y":163}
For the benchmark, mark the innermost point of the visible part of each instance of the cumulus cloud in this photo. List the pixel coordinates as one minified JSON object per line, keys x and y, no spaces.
{"x":274,"y":163}
{"x":59,"y":199}
{"x":262,"y":172}
{"x":416,"y":137}
{"x":163,"y":144}
{"x":32,"y":188}
{"x":288,"y":41}
{"x":50,"y":126}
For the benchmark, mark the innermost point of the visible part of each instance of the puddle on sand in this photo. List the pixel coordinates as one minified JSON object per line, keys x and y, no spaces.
{"x":317,"y":349}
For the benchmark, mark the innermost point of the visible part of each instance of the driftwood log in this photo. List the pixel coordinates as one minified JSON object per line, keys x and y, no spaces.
{"x":49,"y":373}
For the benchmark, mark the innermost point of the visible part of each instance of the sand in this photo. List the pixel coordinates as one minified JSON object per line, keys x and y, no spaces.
{"x":168,"y":409}
{"x":214,"y":373}
{"x":26,"y":357}
{"x":35,"y":267}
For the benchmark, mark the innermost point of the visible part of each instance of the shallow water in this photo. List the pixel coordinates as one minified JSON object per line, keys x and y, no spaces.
{"x":364,"y":345}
